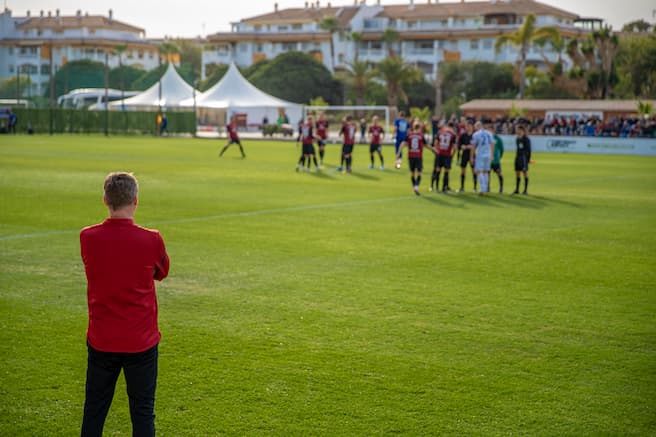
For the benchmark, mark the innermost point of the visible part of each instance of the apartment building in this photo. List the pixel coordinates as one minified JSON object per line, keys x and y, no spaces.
{"x":429,"y":32}
{"x":29,"y":44}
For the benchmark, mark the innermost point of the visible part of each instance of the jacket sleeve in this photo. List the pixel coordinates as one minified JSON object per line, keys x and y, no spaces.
{"x":162,"y":266}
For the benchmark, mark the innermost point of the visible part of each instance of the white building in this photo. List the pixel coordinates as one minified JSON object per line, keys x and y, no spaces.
{"x":28,"y":44}
{"x":428,"y":33}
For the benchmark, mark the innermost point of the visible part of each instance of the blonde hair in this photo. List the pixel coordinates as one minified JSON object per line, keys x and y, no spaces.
{"x":121,"y":189}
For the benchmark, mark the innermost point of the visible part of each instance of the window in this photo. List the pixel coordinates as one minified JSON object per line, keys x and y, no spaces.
{"x":376,"y":45}
{"x":45,"y":69}
{"x":488,"y":43}
{"x":288,"y":46}
{"x":440,"y":44}
{"x":257,"y":28}
{"x":282,"y":28}
{"x":141,"y":54}
{"x":259,"y":48}
{"x":297,"y":27}
{"x":473,"y":44}
{"x":11,"y":68}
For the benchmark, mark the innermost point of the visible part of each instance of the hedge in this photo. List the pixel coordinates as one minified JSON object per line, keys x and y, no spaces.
{"x":119,"y":122}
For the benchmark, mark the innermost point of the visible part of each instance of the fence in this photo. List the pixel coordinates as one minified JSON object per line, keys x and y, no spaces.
{"x":86,"y":122}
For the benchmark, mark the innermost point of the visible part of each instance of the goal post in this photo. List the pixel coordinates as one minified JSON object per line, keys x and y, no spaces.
{"x":334,"y":114}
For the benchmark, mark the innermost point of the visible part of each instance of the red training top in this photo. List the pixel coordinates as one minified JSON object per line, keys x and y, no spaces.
{"x":322,"y":128}
{"x":232,"y":130}
{"x":376,"y":132}
{"x":446,"y":142}
{"x":306,"y":133}
{"x":348,"y":129}
{"x":415,"y":145}
{"x":121,"y":261}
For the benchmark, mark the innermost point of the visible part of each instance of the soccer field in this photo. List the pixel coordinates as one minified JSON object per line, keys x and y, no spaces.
{"x":331,"y":304}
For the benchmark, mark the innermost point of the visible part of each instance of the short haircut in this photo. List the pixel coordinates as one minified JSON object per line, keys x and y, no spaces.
{"x":121,"y":189}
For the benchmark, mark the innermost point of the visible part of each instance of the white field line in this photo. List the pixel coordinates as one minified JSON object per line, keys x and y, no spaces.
{"x":220,"y":216}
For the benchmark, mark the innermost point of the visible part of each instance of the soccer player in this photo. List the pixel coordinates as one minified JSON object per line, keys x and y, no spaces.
{"x":445,"y":144}
{"x":522,"y":158}
{"x":322,"y":131}
{"x":348,"y":133}
{"x":122,"y":261}
{"x":401,"y":134}
{"x":233,"y":137}
{"x":307,"y":137}
{"x":483,"y":149}
{"x":416,"y":143}
{"x":496,"y":159}
{"x":376,"y":134}
{"x":464,"y":155}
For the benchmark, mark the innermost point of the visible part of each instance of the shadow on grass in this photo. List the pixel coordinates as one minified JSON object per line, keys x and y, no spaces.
{"x":365,"y":176}
{"x":322,"y":175}
{"x":502,"y":200}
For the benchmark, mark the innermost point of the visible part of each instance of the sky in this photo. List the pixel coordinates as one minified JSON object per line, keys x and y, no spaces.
{"x":193,"y":18}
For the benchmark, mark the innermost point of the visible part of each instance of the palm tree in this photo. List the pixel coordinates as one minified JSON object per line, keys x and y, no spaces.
{"x":526,"y":35}
{"x":119,"y":50}
{"x":358,"y":75}
{"x":396,"y":74}
{"x":606,"y":43}
{"x":356,"y":37}
{"x":389,"y":37}
{"x":331,"y":25}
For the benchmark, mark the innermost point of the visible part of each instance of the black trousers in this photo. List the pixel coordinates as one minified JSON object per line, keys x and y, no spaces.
{"x":140,"y":371}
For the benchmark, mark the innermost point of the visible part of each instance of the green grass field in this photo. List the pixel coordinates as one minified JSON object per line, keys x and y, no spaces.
{"x":330,"y":304}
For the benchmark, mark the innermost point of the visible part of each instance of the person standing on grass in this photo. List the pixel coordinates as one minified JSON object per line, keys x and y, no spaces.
{"x":445,"y":144}
{"x":322,"y":133}
{"x":122,"y":260}
{"x":401,"y":127}
{"x":522,"y":158}
{"x":233,"y":138}
{"x":376,"y":134}
{"x":483,"y":149}
{"x":496,"y":159}
{"x":348,"y":133}
{"x":416,"y":143}
{"x":464,"y":154}
{"x":307,"y":138}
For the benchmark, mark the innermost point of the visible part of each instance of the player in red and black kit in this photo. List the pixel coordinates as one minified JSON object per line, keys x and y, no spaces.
{"x":464,"y":155}
{"x":348,"y":132}
{"x":376,"y":134}
{"x":416,"y":143}
{"x":322,"y":133}
{"x":233,"y":138}
{"x":445,"y":143}
{"x":307,"y":137}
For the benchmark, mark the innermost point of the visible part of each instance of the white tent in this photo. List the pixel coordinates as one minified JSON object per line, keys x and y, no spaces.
{"x":235,"y":95}
{"x":174,"y":90}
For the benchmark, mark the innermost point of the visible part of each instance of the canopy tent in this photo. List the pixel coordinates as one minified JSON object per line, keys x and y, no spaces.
{"x":235,"y":95}
{"x":174,"y":90}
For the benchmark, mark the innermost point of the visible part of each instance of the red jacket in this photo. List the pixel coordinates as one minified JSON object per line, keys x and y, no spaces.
{"x":121,"y":261}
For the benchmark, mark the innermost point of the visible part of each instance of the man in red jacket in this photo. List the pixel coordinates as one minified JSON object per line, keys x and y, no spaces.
{"x":121,"y":261}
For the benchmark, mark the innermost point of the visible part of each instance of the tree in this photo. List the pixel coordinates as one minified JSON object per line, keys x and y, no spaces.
{"x":357,"y":77}
{"x":78,"y":74}
{"x":636,"y":66}
{"x":297,"y":77}
{"x":356,"y":37}
{"x":477,"y":80}
{"x":118,"y":51}
{"x":396,"y":75}
{"x":526,"y":35}
{"x":126,"y":75}
{"x":190,"y":57}
{"x":8,"y":86}
{"x":637,"y":26}
{"x":331,"y":25}
{"x":594,"y":67}
{"x":389,"y":37}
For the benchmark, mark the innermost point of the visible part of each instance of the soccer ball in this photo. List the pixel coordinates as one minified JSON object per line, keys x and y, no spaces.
{"x":398,"y":164}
